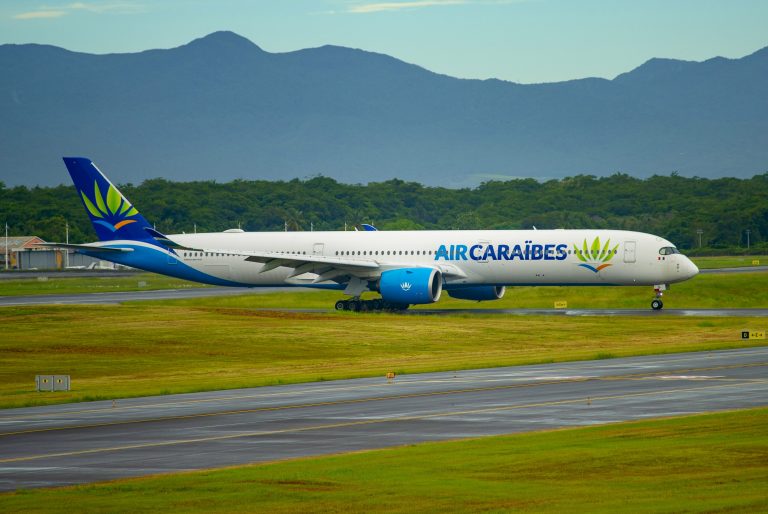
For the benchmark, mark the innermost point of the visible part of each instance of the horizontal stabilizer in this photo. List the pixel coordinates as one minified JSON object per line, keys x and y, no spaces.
{"x":164,"y":240}
{"x":88,"y":248}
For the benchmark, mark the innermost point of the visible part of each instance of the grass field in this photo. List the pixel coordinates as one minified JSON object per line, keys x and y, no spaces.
{"x":60,"y":283}
{"x":147,"y":348}
{"x":707,"y":463}
{"x":138,"y":350}
{"x":737,"y":290}
{"x":732,"y":261}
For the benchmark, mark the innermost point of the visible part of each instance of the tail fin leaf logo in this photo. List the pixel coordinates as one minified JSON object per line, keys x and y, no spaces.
{"x":595,"y":257}
{"x":112,"y":212}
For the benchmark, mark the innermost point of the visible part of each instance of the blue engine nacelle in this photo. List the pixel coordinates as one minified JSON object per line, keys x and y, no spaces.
{"x":411,"y":285}
{"x":478,"y":293}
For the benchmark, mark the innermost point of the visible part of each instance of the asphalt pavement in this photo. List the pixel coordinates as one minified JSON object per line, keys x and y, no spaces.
{"x":88,"y":442}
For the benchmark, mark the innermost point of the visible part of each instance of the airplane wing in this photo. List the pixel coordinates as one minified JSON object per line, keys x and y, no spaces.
{"x":340,"y":269}
{"x":327,"y":267}
{"x":89,"y":248}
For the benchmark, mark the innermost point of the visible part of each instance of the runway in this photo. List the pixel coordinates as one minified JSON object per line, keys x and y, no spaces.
{"x":178,"y":294}
{"x":744,"y":269}
{"x":86,"y":442}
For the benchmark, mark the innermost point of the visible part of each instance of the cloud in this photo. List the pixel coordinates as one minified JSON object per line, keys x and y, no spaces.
{"x":360,"y":7}
{"x":92,"y":7}
{"x":102,"y":7}
{"x":36,"y":15}
{"x":396,"y":6}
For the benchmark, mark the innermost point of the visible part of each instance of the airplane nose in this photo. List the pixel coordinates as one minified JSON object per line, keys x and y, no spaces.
{"x":690,"y":269}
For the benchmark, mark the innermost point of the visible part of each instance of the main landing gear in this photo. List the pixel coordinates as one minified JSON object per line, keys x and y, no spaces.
{"x":656,"y":303}
{"x":358,"y":305}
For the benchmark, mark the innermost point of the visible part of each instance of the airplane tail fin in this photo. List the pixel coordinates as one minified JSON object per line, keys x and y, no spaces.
{"x":112,"y":215}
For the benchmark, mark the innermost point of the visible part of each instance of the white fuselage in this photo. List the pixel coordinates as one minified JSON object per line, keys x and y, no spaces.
{"x":516,"y":257}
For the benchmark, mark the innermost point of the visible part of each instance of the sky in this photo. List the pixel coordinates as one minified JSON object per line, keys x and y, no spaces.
{"x":526,"y":41}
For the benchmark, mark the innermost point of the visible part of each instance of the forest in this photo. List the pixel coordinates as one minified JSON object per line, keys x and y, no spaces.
{"x":703,"y":216}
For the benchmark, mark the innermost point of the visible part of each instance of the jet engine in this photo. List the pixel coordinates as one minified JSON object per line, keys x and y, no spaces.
{"x":478,"y":293}
{"x":411,"y":285}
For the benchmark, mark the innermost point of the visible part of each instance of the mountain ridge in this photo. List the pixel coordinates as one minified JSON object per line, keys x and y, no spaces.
{"x":222,"y":107}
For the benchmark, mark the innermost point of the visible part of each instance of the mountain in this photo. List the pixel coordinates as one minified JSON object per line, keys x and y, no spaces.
{"x":221,"y":108}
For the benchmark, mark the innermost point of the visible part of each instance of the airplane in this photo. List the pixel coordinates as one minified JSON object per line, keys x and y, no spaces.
{"x":406,"y":268}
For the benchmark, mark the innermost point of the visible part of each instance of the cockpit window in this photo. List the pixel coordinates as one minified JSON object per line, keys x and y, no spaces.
{"x":668,"y":250}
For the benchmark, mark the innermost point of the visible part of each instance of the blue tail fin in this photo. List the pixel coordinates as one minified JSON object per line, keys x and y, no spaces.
{"x":112,"y":215}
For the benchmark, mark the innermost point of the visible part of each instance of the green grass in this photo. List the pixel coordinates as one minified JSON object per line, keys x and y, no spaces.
{"x":734,"y":261}
{"x":60,"y":283}
{"x":144,"y":349}
{"x":706,"y":463}
{"x":149,"y":348}
{"x":737,"y":290}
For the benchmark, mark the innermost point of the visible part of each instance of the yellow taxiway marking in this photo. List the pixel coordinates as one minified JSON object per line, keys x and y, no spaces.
{"x":633,"y":376}
{"x":345,"y":424}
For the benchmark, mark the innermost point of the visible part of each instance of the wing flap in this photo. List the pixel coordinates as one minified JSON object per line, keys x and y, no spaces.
{"x":272,"y":260}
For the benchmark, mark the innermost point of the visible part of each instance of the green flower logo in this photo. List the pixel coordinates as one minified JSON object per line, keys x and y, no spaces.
{"x":594,"y":258}
{"x":111,"y":211}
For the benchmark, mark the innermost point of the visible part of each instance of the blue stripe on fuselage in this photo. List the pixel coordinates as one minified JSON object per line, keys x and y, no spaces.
{"x":157,"y":260}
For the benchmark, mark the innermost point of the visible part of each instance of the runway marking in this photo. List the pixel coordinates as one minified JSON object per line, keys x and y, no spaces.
{"x":275,"y":408}
{"x":401,"y":381}
{"x":363,"y":422}
{"x":688,"y":377}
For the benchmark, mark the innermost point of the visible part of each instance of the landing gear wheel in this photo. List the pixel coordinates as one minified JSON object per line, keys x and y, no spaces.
{"x":375,"y":305}
{"x":657,"y":304}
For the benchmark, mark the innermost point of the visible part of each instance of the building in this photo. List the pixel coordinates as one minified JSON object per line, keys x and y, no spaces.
{"x":11,"y":246}
{"x":23,"y":254}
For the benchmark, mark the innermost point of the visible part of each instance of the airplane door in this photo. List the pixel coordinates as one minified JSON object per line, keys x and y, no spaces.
{"x":318,"y":248}
{"x":629,"y":251}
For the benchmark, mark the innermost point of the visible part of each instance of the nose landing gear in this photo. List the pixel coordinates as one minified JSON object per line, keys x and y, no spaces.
{"x":656,"y":303}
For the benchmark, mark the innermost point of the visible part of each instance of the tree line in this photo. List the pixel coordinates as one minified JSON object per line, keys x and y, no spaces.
{"x":711,"y":214}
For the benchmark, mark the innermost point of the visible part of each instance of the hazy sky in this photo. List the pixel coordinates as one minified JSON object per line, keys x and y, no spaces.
{"x":519,"y":40}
